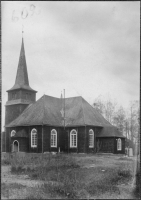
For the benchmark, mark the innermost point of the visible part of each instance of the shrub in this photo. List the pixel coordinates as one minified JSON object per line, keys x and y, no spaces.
{"x":5,"y":162}
{"x":17,"y":169}
{"x":101,"y":187}
{"x":124,"y":173}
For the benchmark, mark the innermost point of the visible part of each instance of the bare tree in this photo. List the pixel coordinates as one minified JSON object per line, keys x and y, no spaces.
{"x":99,"y":105}
{"x":134,"y":119}
{"x":110,"y":110}
{"x":120,"y":119}
{"x":128,"y":123}
{"x":105,"y":107}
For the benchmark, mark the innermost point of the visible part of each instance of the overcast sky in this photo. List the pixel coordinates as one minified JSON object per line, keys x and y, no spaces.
{"x":86,"y":48}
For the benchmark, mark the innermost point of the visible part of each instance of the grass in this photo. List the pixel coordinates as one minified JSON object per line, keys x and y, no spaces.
{"x":65,"y":178}
{"x":5,"y":162}
{"x":5,"y":191}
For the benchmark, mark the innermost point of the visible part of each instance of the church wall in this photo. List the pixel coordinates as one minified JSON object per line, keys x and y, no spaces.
{"x":107,"y":144}
{"x":89,"y":149}
{"x":123,"y":146}
{"x":70,"y":149}
{"x":23,"y":143}
{"x":37,"y":149}
{"x":63,"y":142}
{"x":81,"y":140}
{"x":46,"y":140}
{"x":8,"y":142}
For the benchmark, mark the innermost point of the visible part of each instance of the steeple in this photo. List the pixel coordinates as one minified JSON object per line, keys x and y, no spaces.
{"x":22,"y":74}
{"x":21,"y":94}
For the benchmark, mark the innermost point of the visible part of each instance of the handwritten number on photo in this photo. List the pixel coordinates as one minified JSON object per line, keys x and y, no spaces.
{"x":14,"y":18}
{"x":24,"y":13}
{"x":32,"y":8}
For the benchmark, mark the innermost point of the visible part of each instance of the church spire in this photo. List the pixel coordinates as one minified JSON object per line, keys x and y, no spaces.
{"x":22,"y":74}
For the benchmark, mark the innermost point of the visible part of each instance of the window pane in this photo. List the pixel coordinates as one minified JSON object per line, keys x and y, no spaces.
{"x":53,"y":138}
{"x":34,"y":137}
{"x":73,"y":139}
{"x":91,"y":138}
{"x":119,"y":144}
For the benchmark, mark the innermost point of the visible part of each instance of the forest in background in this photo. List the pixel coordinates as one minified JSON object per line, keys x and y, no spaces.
{"x":126,"y":120}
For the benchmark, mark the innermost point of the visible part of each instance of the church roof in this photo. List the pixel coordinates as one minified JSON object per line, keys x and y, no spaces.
{"x":48,"y":111}
{"x":22,"y":75}
{"x":110,"y":131}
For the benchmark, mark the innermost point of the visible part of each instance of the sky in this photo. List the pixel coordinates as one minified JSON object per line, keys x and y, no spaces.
{"x":87,"y":48}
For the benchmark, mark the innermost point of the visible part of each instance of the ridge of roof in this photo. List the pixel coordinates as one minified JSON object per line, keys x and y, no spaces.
{"x":50,"y":96}
{"x":63,"y":98}
{"x":73,"y":97}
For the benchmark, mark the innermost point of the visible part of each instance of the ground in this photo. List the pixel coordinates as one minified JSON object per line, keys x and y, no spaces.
{"x":88,"y":176}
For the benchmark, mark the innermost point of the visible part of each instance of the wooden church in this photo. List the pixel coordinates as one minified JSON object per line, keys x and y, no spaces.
{"x":53,"y":124}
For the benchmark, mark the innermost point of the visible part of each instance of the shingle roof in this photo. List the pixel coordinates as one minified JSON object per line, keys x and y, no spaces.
{"x":110,"y":131}
{"x":80,"y":112}
{"x":47,"y":110}
{"x":22,"y":75}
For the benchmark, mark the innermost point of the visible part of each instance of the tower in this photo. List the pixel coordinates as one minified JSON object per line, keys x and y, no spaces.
{"x":21,"y":94}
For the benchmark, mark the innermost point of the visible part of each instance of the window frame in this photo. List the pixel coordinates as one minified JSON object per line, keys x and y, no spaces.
{"x":33,"y":134}
{"x":91,"y":134}
{"x":119,"y":144}
{"x":72,"y":138}
{"x":12,"y":135}
{"x":53,"y":134}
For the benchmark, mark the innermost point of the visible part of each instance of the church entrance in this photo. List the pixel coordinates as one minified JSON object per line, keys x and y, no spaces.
{"x":15,"y":146}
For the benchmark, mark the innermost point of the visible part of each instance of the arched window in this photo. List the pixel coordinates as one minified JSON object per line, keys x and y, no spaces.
{"x":34,"y":138}
{"x":73,"y":138}
{"x":53,"y":138}
{"x":91,"y":138}
{"x":119,"y":144}
{"x":13,"y":132}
